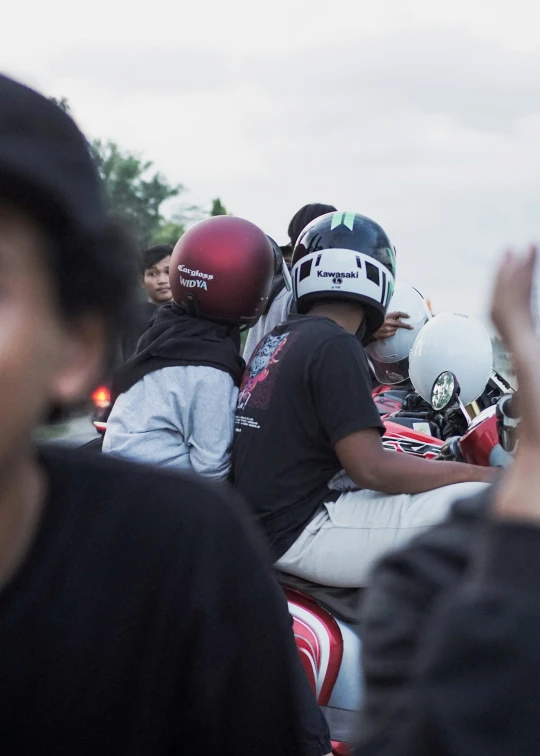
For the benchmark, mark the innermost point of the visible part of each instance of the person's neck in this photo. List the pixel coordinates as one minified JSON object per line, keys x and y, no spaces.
{"x":22,"y":496}
{"x":347,"y":315}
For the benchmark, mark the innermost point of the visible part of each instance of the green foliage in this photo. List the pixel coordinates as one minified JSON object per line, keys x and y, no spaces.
{"x":135,"y":193}
{"x":168,"y":233}
{"x":63,"y":103}
{"x":218,"y":208}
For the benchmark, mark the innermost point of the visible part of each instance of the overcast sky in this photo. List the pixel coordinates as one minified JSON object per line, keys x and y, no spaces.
{"x":420,"y":114}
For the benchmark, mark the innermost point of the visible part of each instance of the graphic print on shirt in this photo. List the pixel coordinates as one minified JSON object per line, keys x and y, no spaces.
{"x":263,"y":364}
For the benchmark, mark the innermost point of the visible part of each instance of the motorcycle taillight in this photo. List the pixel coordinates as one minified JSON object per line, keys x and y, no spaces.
{"x":101,"y":397}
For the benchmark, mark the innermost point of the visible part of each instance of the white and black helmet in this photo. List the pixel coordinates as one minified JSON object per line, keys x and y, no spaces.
{"x":345,"y":256}
{"x":389,"y":358}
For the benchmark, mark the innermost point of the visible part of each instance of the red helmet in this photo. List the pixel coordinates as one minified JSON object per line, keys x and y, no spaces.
{"x":223,"y":269}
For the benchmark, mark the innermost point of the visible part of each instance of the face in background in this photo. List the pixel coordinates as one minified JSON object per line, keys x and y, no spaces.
{"x":155,"y":282}
{"x":45,"y":360}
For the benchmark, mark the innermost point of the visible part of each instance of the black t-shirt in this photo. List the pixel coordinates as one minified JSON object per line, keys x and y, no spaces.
{"x":306,"y":387}
{"x":144,"y":622}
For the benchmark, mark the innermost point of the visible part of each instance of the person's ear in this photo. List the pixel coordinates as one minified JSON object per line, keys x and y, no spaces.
{"x":141,"y":282}
{"x":81,"y":360}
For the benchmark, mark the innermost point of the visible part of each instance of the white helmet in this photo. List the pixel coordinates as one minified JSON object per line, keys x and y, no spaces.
{"x":456,"y":343}
{"x":389,"y":358}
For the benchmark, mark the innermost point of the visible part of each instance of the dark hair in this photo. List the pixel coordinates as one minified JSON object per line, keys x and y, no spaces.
{"x":304,"y":216}
{"x":97,"y":278}
{"x":100,"y":277}
{"x":89,"y":274}
{"x":153,"y":255}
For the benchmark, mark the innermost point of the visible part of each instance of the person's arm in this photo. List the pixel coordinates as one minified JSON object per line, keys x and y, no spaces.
{"x":208,"y":404}
{"x":371,"y":466}
{"x":338,"y":378}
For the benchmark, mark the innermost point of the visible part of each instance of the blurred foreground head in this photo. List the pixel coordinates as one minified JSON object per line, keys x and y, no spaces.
{"x":66,"y":274}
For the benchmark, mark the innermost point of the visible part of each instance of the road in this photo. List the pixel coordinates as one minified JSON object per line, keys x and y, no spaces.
{"x":76,"y":432}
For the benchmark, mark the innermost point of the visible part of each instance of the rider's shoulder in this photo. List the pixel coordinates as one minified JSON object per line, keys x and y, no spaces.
{"x":328,"y":334}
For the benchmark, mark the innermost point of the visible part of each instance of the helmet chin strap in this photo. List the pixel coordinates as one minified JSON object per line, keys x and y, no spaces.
{"x":192,"y":306}
{"x":361,"y":331}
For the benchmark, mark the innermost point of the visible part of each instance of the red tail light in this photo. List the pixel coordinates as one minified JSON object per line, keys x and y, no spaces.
{"x":101,"y":397}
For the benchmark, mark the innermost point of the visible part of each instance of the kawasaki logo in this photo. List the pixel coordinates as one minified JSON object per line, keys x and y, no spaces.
{"x":324,"y":274}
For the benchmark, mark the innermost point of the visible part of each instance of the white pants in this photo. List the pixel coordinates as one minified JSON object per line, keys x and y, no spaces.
{"x":346,"y":537}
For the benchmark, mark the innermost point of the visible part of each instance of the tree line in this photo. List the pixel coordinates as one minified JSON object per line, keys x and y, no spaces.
{"x":136,"y":193}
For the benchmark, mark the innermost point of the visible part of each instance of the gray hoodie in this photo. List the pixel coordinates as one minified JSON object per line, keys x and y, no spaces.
{"x":180,"y":417}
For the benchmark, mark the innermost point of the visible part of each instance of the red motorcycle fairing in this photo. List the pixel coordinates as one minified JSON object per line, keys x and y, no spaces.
{"x":409,"y":441}
{"x":319,"y":642}
{"x":387,"y":404}
{"x":320,"y":645}
{"x":478,"y":444}
{"x":381,"y":389}
{"x":340,"y":749}
{"x":386,"y":400}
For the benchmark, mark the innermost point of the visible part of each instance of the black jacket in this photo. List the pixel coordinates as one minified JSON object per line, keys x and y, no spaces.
{"x":143,"y":621}
{"x":456,"y":668}
{"x":405,"y":588}
{"x":476,"y":688}
{"x":175,"y":338}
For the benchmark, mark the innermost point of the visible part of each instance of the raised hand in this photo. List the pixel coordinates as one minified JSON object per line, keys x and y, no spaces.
{"x":392,"y":322}
{"x":519,"y":494}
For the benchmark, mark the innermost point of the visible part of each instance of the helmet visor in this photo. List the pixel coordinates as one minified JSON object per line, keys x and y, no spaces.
{"x":390,"y":373}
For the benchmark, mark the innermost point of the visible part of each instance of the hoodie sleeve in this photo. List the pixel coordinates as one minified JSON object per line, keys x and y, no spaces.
{"x":207,"y":406}
{"x":179,"y":417}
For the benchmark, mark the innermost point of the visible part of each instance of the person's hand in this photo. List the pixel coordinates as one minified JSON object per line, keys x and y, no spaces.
{"x":518,"y":496}
{"x":511,"y":300}
{"x":391,"y":324}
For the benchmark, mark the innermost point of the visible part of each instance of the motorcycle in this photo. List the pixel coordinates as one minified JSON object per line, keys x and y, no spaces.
{"x":101,"y":403}
{"x":325,"y":620}
{"x":390,"y":399}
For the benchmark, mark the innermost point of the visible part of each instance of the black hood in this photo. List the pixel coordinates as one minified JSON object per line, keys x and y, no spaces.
{"x":176,"y":338}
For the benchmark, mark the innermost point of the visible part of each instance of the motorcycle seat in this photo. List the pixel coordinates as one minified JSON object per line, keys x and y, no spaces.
{"x":342,"y":603}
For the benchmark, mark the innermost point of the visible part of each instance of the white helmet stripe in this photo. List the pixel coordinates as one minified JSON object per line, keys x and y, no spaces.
{"x":345,"y":271}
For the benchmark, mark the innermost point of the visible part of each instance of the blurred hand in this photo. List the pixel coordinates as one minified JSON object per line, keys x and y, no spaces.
{"x":518,"y":496}
{"x":391,"y":324}
{"x":511,"y":300}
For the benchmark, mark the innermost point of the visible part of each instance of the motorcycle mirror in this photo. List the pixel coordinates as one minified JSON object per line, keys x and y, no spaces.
{"x":445,"y":391}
